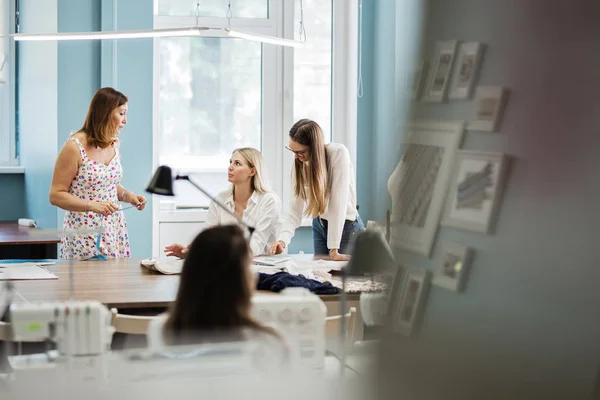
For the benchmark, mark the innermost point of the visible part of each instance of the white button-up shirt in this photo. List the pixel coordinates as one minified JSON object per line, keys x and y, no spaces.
{"x":263,"y":213}
{"x":342,"y":199}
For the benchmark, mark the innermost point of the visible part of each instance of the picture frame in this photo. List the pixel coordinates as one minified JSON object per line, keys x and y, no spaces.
{"x":425,"y":169}
{"x":411,"y":291}
{"x":490,"y":102}
{"x":439,"y":73}
{"x":418,"y":80}
{"x":466,"y":70}
{"x":477,"y":187}
{"x":453,"y":267}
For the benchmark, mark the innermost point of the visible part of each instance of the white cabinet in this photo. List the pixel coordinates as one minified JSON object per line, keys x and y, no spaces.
{"x":177,"y":232}
{"x":176,"y":226}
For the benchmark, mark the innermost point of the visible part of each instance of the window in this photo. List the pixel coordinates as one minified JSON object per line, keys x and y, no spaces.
{"x":8,"y":156}
{"x":210,"y":103}
{"x":215,"y":93}
{"x":312,"y":64}
{"x":213,"y":8}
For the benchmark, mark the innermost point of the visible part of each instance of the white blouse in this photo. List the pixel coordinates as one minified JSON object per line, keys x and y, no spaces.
{"x":342,"y":199}
{"x":263,"y":213}
{"x":272,"y":352}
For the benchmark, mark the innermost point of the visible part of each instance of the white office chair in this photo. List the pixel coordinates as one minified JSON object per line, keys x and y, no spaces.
{"x":130,"y":324}
{"x":332,"y":330}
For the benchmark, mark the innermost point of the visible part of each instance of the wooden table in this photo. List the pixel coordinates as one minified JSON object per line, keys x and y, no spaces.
{"x":26,"y":242}
{"x":124,"y":283}
{"x":120,"y":283}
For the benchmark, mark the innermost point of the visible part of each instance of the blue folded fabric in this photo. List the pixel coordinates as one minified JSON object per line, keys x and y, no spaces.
{"x":278,"y":281}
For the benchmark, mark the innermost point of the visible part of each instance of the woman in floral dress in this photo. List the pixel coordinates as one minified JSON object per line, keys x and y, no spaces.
{"x":86,"y":184}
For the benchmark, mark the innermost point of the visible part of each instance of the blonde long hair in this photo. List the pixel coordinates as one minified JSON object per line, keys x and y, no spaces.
{"x":312,"y":181}
{"x":254,"y":159}
{"x":98,"y":125}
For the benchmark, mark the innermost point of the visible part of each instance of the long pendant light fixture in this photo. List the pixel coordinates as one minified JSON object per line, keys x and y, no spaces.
{"x":158,"y":33}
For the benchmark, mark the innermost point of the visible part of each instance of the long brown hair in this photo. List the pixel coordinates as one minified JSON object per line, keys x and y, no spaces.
{"x":98,"y":125}
{"x":312,"y":177}
{"x":214,"y":298}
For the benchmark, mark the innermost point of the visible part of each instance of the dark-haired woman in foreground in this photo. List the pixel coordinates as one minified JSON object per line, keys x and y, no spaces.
{"x":213,"y":302}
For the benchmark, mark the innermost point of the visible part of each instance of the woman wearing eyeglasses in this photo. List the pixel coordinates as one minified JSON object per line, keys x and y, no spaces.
{"x":324,"y":188}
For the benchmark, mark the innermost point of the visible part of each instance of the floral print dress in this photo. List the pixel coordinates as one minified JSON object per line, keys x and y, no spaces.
{"x":95,"y":182}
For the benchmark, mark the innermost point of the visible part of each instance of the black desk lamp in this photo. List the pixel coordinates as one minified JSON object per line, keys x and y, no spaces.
{"x":162,"y":184}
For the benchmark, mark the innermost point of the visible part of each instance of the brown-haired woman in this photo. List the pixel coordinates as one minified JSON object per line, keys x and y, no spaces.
{"x":213,"y":303}
{"x":324,"y":188}
{"x":86,"y":182}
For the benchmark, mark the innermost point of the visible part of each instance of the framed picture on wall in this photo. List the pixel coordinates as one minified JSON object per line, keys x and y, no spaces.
{"x":439,"y":73}
{"x":453,"y":266}
{"x":466,"y":70}
{"x":411,"y":292}
{"x":418,"y":79}
{"x":418,"y":185}
{"x":490,"y":102}
{"x":476,"y":190}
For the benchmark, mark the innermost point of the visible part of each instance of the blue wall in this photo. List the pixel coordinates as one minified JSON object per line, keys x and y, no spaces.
{"x":12,"y":197}
{"x":365,"y":125}
{"x":38,"y":111}
{"x":78,"y":68}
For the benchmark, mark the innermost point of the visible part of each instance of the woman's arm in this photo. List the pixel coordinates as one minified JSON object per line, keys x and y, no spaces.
{"x":292,"y":220}
{"x":338,"y":197}
{"x":266,"y":224}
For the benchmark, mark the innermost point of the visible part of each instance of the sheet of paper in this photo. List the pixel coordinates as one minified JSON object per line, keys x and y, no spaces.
{"x":33,"y":272}
{"x":5,"y":264}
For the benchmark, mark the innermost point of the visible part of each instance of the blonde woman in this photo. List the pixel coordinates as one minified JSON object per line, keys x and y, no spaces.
{"x":249,"y":198}
{"x":324,"y":188}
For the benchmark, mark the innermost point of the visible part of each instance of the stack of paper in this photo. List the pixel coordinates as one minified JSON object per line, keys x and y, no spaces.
{"x":24,"y":271}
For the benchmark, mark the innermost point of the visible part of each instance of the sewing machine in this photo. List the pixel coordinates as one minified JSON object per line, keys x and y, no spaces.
{"x":299,"y":316}
{"x":81,"y":330}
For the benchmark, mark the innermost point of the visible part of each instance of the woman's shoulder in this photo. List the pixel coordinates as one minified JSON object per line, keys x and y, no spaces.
{"x":337,"y":149}
{"x":224,"y":194}
{"x":269,"y":197}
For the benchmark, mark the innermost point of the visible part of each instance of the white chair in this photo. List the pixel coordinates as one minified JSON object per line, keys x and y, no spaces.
{"x":6,"y":333}
{"x":332,"y":330}
{"x":130,"y":324}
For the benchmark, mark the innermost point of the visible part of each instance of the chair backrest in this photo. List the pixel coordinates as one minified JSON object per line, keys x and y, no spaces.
{"x":6,"y":333}
{"x":333,"y":324}
{"x":130,"y":324}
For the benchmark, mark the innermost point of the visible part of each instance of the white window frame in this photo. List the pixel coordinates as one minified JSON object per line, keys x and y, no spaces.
{"x":278,"y":83}
{"x":344,"y":75}
{"x":8,"y":161}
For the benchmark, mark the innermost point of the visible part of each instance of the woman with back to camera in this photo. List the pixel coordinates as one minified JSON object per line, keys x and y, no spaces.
{"x":213,"y":303}
{"x":87,"y":183}
{"x":324,"y":188}
{"x":248,"y":197}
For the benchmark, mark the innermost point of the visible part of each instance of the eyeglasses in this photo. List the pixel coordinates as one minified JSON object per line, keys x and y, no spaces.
{"x":301,"y":153}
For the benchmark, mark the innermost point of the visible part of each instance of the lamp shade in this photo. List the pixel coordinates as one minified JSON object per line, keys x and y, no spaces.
{"x":371,"y":255}
{"x":162,"y":182}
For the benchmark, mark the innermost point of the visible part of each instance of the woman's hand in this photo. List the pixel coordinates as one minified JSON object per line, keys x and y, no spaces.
{"x":176,"y":250}
{"x":335,"y":256}
{"x":277,"y":248}
{"x":136,"y":200}
{"x":105,"y":208}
